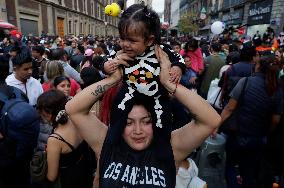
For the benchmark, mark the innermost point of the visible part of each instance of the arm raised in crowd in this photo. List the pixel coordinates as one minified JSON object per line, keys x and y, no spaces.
{"x":90,"y":127}
{"x":206,"y":119}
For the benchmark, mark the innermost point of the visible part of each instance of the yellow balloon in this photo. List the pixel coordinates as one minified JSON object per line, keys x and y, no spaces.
{"x":108,"y":10}
{"x":112,"y":10}
{"x":115,"y":9}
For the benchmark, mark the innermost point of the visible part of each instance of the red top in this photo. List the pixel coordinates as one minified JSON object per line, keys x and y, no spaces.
{"x":73,"y":84}
{"x":196,"y":59}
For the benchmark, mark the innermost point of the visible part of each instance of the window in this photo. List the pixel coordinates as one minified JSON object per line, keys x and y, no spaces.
{"x":70,"y":26}
{"x":60,"y":2}
{"x":98,"y":11}
{"x":81,"y":27}
{"x":75,"y":28}
{"x":84,"y":5}
{"x":92,"y":8}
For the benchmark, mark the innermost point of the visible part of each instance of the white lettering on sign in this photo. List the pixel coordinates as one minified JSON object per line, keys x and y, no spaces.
{"x":259,"y":10}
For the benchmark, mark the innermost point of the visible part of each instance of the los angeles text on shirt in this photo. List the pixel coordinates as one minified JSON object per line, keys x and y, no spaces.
{"x":135,"y":175}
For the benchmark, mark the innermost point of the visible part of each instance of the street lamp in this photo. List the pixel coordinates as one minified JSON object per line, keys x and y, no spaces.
{"x":106,"y":29}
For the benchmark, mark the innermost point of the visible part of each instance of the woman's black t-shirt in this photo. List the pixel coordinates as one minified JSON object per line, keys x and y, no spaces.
{"x":121,"y":166}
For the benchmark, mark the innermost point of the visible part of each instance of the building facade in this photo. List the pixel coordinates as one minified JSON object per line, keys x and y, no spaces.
{"x":253,"y":15}
{"x":61,"y":17}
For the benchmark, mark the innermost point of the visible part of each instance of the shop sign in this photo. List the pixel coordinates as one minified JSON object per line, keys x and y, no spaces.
{"x":233,"y":18}
{"x":259,"y":12}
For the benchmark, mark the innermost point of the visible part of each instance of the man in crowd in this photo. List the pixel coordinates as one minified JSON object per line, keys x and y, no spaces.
{"x":22,"y":77}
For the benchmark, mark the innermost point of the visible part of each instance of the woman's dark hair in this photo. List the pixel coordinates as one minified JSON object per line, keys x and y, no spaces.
{"x":104,"y":47}
{"x":57,"y":80}
{"x":269,"y":66}
{"x":98,"y":61}
{"x":52,"y":102}
{"x":132,"y":18}
{"x":191,"y":43}
{"x":81,"y":49}
{"x":87,"y":58}
{"x":89,"y":75}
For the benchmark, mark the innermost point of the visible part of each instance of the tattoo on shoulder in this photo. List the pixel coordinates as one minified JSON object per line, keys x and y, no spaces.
{"x":100,"y":89}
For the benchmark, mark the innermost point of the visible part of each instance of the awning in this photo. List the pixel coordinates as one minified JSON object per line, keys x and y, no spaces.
{"x":6,"y":25}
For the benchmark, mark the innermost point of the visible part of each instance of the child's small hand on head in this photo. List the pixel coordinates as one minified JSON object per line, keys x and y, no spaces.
{"x":120,"y":59}
{"x":110,"y":66}
{"x":176,"y":74}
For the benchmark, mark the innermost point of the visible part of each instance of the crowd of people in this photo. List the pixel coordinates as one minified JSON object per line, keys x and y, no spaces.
{"x":129,"y":111}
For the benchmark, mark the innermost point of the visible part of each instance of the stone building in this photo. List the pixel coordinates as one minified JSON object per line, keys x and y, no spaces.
{"x":253,"y":15}
{"x":61,"y":17}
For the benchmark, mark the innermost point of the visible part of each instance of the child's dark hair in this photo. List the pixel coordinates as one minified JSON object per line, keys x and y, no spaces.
{"x":175,"y":43}
{"x":21,"y":58}
{"x":185,"y":56}
{"x":191,"y":43}
{"x":140,"y":13}
{"x":57,"y":80}
{"x":52,"y":102}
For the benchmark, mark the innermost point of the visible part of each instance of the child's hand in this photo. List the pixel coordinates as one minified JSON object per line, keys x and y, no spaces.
{"x":121,"y":59}
{"x":110,"y":66}
{"x":176,"y":74}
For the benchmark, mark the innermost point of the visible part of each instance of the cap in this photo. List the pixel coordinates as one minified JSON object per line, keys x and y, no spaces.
{"x":88,"y":52}
{"x":16,"y":35}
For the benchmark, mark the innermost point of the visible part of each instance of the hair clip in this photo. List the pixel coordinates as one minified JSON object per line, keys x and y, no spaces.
{"x":60,"y":114}
{"x":147,"y":12}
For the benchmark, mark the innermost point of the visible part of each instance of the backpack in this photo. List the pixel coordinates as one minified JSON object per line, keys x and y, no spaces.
{"x":19,"y":127}
{"x":38,"y":167}
{"x":227,"y":84}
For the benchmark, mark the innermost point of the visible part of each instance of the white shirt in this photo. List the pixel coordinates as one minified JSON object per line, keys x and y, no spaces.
{"x":32,"y":88}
